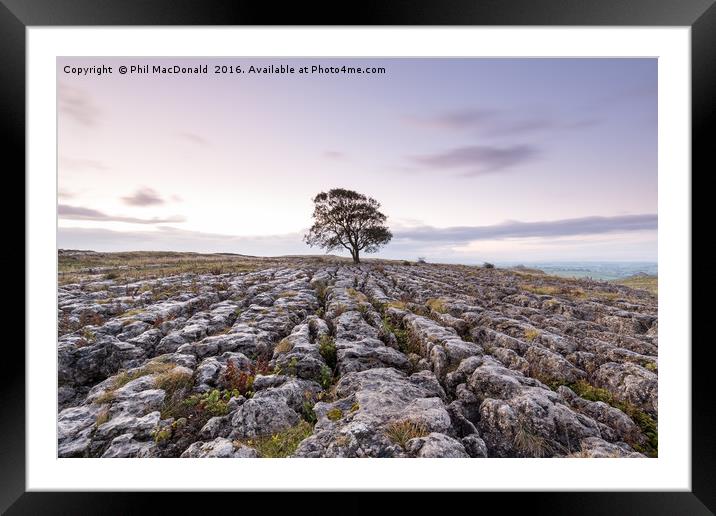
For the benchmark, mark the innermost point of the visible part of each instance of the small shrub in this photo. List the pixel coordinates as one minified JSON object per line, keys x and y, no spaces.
{"x":406,"y":343}
{"x":488,"y":265}
{"x":421,"y":259}
{"x":334,"y":414}
{"x":292,"y":367}
{"x":363,"y":310}
{"x":281,"y":444}
{"x":326,"y":377}
{"x":212,"y":402}
{"x":307,"y":412}
{"x":288,"y":293}
{"x":176,"y":384}
{"x":233,"y":379}
{"x":91,"y":319}
{"x":327,"y":349}
{"x":400,"y":432}
{"x":321,"y":291}
{"x":355,"y":407}
{"x":651,"y":366}
{"x":81,"y":343}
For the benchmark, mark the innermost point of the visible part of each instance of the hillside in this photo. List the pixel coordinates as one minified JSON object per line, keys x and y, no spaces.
{"x":646,"y":282}
{"x":180,"y":354}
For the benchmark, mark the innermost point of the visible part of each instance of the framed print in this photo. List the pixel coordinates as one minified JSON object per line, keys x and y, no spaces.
{"x":454,"y":242}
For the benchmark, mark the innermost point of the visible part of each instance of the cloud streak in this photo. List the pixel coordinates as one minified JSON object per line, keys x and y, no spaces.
{"x":468,"y":118}
{"x":478,"y":159}
{"x":193,"y":138}
{"x":78,"y":105}
{"x":65,"y":211}
{"x":67,"y":163}
{"x":143,"y":197}
{"x":495,"y":122}
{"x":544,"y":229}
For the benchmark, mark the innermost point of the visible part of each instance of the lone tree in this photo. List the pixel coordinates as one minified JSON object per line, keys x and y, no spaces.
{"x":344,"y":218}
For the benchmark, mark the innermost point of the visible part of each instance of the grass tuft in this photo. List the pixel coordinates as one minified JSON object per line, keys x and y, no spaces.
{"x":400,"y":432}
{"x":281,"y":444}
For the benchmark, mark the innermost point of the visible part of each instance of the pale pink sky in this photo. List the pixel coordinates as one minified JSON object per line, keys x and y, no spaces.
{"x":472,"y":159}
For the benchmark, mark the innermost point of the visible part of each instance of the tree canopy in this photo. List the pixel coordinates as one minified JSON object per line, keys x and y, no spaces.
{"x":347,"y":219}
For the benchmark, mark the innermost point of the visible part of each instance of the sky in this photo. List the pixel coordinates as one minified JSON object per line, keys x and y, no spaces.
{"x":472,"y":160}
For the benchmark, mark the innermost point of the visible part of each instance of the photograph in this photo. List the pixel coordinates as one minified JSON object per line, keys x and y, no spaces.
{"x":357,"y":257}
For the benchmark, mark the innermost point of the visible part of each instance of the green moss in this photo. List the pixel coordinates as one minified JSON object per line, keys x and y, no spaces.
{"x":162,"y":434}
{"x":334,"y":414}
{"x":644,"y":421}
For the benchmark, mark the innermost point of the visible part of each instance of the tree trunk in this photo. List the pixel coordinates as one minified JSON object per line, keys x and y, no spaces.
{"x":355,"y":255}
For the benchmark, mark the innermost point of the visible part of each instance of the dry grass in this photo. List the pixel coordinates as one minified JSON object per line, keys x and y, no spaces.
{"x":358,"y":296}
{"x":281,"y":444}
{"x":436,"y":305}
{"x":400,"y":432}
{"x":132,"y":266}
{"x":284,"y":346}
{"x":648,"y":283}
{"x":531,"y":334}
{"x":554,"y":290}
{"x":102,"y":416}
{"x":528,"y":443}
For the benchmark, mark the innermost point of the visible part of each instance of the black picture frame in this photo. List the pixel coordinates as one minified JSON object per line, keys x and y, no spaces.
{"x":17,"y":15}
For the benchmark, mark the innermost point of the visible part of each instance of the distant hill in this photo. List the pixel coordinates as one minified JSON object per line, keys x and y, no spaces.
{"x":642,"y":281}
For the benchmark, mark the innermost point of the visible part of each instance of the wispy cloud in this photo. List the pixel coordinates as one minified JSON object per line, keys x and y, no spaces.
{"x":515,"y":229}
{"x":143,"y":197}
{"x":467,"y":118}
{"x":77,"y":104}
{"x":193,"y":138}
{"x":78,"y":164}
{"x":65,"y":211}
{"x":478,"y":159}
{"x":496,"y":122}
